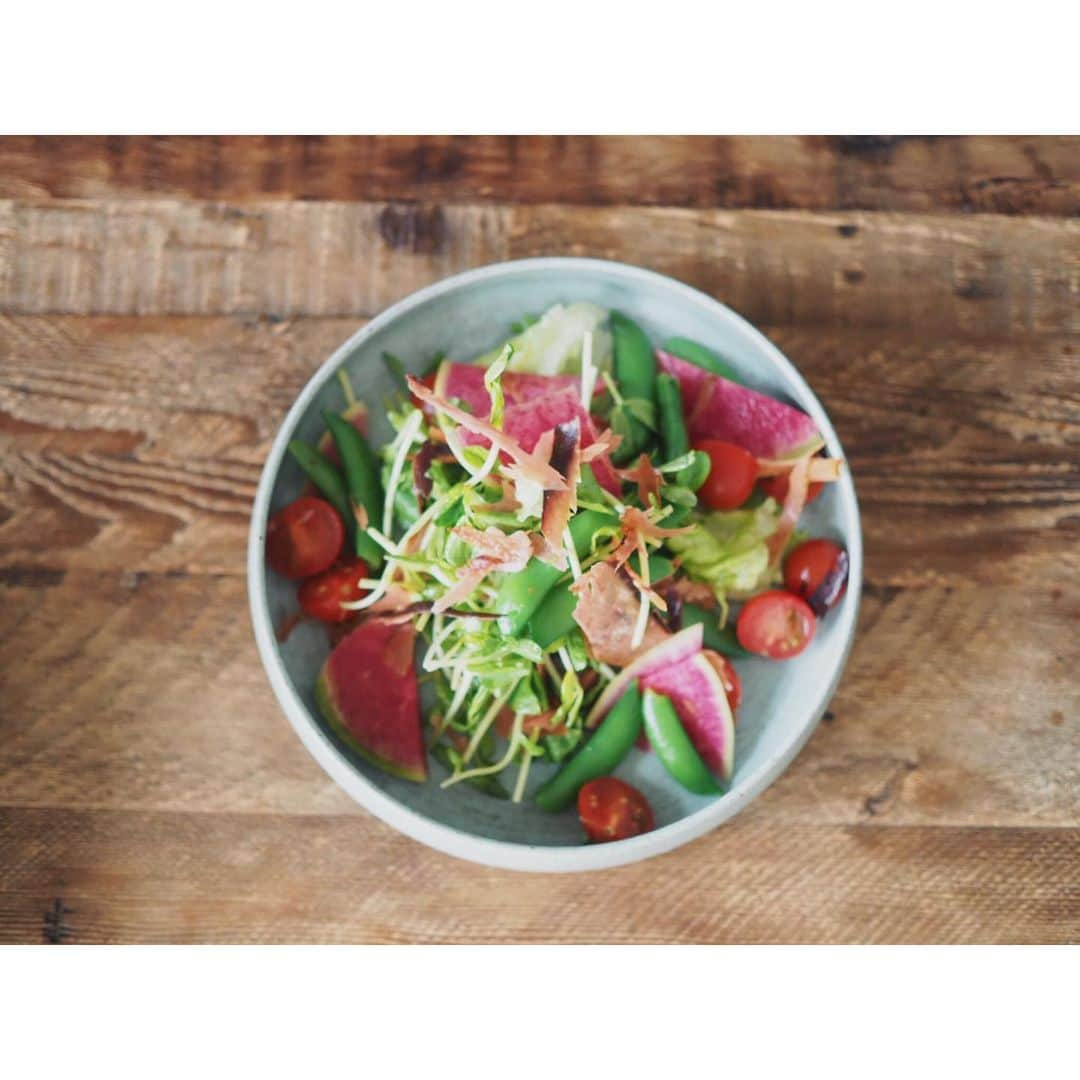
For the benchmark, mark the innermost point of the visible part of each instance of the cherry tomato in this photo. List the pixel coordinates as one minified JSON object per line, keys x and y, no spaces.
{"x":321,"y":596}
{"x":732,"y":473}
{"x":304,"y":539}
{"x":817,"y":571}
{"x":729,"y":677}
{"x":612,"y":810}
{"x":776,"y":624}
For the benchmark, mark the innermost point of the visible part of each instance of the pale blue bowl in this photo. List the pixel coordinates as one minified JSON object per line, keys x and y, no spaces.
{"x":467,"y":315}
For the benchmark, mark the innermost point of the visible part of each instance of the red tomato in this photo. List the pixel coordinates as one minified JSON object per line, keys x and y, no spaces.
{"x":321,"y":597}
{"x":776,"y":624}
{"x":612,"y":810}
{"x":817,"y":571}
{"x":732,"y":473}
{"x":304,"y":539}
{"x":729,"y":677}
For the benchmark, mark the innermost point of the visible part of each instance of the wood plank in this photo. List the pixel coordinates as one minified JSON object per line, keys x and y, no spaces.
{"x":984,"y":277}
{"x":144,"y":691}
{"x":136,"y":443}
{"x":117,"y":877}
{"x":998,"y":174}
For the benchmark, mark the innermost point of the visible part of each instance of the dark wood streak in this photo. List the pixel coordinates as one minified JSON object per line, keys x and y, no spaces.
{"x":996,"y":174}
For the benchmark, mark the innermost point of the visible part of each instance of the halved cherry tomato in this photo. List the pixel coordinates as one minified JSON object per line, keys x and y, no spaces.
{"x":612,"y":810}
{"x":817,"y":571}
{"x":322,"y":596}
{"x":732,"y":473}
{"x":776,"y":624}
{"x":304,"y":539}
{"x":729,"y":677}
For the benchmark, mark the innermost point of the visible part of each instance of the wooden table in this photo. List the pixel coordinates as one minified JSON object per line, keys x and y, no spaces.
{"x":163,"y":300}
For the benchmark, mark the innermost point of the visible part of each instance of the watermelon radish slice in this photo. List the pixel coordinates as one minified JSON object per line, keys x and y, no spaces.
{"x":697,"y":692}
{"x":673,"y":650}
{"x":716,"y":408}
{"x":368,"y":694}
{"x":466,"y":383}
{"x":357,"y":415}
{"x":533,"y":404}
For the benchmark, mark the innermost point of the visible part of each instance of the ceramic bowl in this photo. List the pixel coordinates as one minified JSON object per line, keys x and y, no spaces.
{"x":466,"y":315}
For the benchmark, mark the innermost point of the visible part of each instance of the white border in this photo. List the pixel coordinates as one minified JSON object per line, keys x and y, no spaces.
{"x":498,"y":853}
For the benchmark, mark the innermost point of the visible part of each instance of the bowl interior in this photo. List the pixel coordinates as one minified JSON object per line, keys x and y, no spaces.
{"x":464,"y":317}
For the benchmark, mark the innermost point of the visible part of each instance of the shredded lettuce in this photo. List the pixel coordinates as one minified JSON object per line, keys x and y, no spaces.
{"x":728,"y":551}
{"x":553,"y":344}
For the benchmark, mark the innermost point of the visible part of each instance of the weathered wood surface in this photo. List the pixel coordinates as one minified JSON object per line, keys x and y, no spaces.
{"x":113,"y":876}
{"x":148,"y":350}
{"x":983,"y":276}
{"x":989,"y":174}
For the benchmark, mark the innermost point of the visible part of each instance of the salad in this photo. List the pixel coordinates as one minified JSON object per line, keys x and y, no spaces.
{"x":571,"y":541}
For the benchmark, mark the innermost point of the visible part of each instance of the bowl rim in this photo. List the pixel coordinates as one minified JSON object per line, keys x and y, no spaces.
{"x":484,"y":850}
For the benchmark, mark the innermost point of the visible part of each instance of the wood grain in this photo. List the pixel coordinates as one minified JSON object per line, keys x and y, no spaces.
{"x":997,"y":174}
{"x":144,"y":692}
{"x":136,"y":443}
{"x":983,"y":277}
{"x":271,"y":878}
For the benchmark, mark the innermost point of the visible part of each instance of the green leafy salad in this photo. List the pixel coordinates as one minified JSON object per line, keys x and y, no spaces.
{"x":575,"y":539}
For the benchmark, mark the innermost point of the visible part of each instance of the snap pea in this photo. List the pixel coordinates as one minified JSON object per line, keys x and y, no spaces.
{"x":489,"y":785}
{"x":695,"y":474}
{"x":674,"y":437}
{"x":713,"y":637}
{"x":554,"y":618}
{"x":699,"y":356}
{"x":325,"y":477}
{"x":362,"y":483}
{"x":520,"y":594}
{"x":635,"y":377}
{"x":608,"y":745}
{"x":673,"y":747}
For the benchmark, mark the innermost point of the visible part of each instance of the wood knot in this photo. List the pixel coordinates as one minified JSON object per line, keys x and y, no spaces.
{"x":417,"y":229}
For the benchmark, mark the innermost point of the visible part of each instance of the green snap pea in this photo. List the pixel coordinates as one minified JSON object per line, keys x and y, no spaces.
{"x":699,"y":356}
{"x":325,"y":477}
{"x":554,"y":618}
{"x":362,"y":483}
{"x":520,"y":594}
{"x":713,"y":637}
{"x":635,"y":376}
{"x":674,"y":437}
{"x":695,"y":474}
{"x":673,"y":747}
{"x":608,"y":745}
